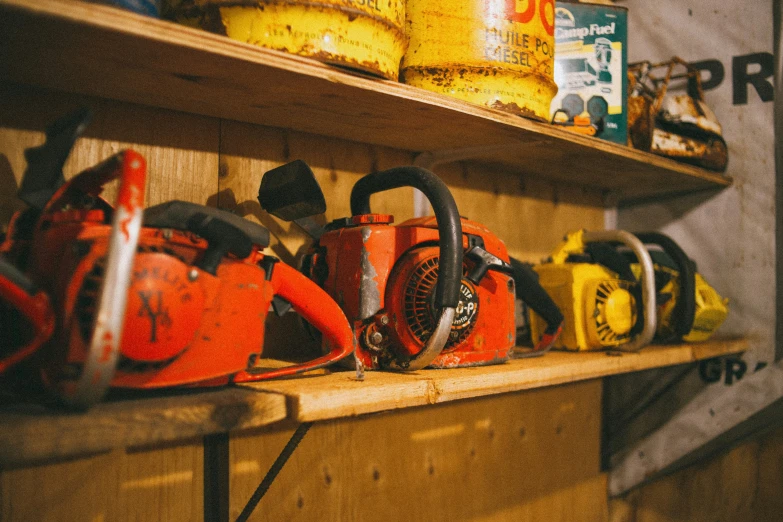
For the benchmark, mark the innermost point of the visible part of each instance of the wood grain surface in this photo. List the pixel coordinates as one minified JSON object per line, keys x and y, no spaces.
{"x":531,"y":455}
{"x":155,"y":484}
{"x":33,"y":433}
{"x":341,"y":394}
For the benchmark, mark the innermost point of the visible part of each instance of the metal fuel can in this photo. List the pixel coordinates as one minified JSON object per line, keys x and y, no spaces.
{"x":498,"y":53}
{"x":366,"y":35}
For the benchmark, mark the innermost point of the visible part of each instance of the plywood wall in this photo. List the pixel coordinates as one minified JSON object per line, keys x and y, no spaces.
{"x":523,"y":456}
{"x":164,"y":483}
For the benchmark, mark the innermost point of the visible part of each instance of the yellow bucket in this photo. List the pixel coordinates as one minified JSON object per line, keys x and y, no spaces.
{"x":360,"y":34}
{"x":498,"y":53}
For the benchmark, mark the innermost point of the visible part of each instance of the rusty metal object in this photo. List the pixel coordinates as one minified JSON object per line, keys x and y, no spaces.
{"x":710,"y":154}
{"x":497,"y":53}
{"x":366,"y":35}
{"x":641,"y":118}
{"x":685,"y":128}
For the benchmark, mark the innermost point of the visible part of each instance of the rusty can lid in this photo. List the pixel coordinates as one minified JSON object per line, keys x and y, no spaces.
{"x":375,"y":219}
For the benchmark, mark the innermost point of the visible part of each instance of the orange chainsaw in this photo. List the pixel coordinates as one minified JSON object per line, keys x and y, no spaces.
{"x":436,"y":291}
{"x":103,"y":296}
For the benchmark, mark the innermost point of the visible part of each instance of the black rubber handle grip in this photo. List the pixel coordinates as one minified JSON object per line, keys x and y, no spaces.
{"x":176,"y":214}
{"x":446,"y":214}
{"x":528,"y":289}
{"x":684,"y":311}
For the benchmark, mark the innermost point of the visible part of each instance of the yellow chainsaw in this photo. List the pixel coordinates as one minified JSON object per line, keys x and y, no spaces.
{"x":615,"y":292}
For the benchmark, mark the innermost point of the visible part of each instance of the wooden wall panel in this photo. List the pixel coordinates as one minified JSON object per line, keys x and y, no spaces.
{"x":163,"y":484}
{"x":768,"y":504}
{"x":181,"y":149}
{"x":531,"y":216}
{"x":523,"y":456}
{"x":745,"y":483}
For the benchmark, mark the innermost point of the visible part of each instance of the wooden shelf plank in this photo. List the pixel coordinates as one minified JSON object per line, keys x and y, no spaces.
{"x":32,"y":433}
{"x":340,"y":394}
{"x":106,"y":52}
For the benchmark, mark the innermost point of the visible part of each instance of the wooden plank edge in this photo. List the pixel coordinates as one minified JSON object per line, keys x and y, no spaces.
{"x":381,"y":391}
{"x":32,"y":434}
{"x":138,"y":26}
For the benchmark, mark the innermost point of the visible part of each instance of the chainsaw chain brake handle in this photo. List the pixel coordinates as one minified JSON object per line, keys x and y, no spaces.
{"x":291,"y":192}
{"x":18,"y":291}
{"x":44,"y":174}
{"x":685,"y":309}
{"x":224,"y":232}
{"x":104,"y":346}
{"x":449,"y":242}
{"x":647,"y":281}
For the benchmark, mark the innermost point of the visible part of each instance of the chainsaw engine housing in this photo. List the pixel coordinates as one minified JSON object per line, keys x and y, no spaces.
{"x":395,"y":270}
{"x":604,"y":304}
{"x":119,"y":296}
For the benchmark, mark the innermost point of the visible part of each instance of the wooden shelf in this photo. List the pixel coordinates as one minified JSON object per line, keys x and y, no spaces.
{"x":341,"y":395}
{"x":32,"y":433}
{"x":106,"y":52}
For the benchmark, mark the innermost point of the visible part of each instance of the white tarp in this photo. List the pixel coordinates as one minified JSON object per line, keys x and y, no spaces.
{"x":730,"y":235}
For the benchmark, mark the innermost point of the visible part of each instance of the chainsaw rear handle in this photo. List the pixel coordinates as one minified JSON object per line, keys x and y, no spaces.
{"x":315,"y":306}
{"x":684,"y":311}
{"x":446,"y":215}
{"x":449,"y":243}
{"x":528,"y":289}
{"x":647,"y":281}
{"x":18,"y":291}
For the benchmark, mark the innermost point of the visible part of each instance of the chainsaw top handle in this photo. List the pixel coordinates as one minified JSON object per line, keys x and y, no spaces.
{"x":446,"y":214}
{"x":647,"y":281}
{"x":224,"y":231}
{"x":685,"y":309}
{"x":317,"y":308}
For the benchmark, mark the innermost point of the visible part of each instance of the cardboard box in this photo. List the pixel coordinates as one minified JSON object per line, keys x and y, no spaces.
{"x":591,"y":63}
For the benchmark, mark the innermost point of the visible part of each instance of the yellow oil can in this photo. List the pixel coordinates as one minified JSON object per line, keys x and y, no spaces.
{"x":366,"y":35}
{"x":498,"y":53}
